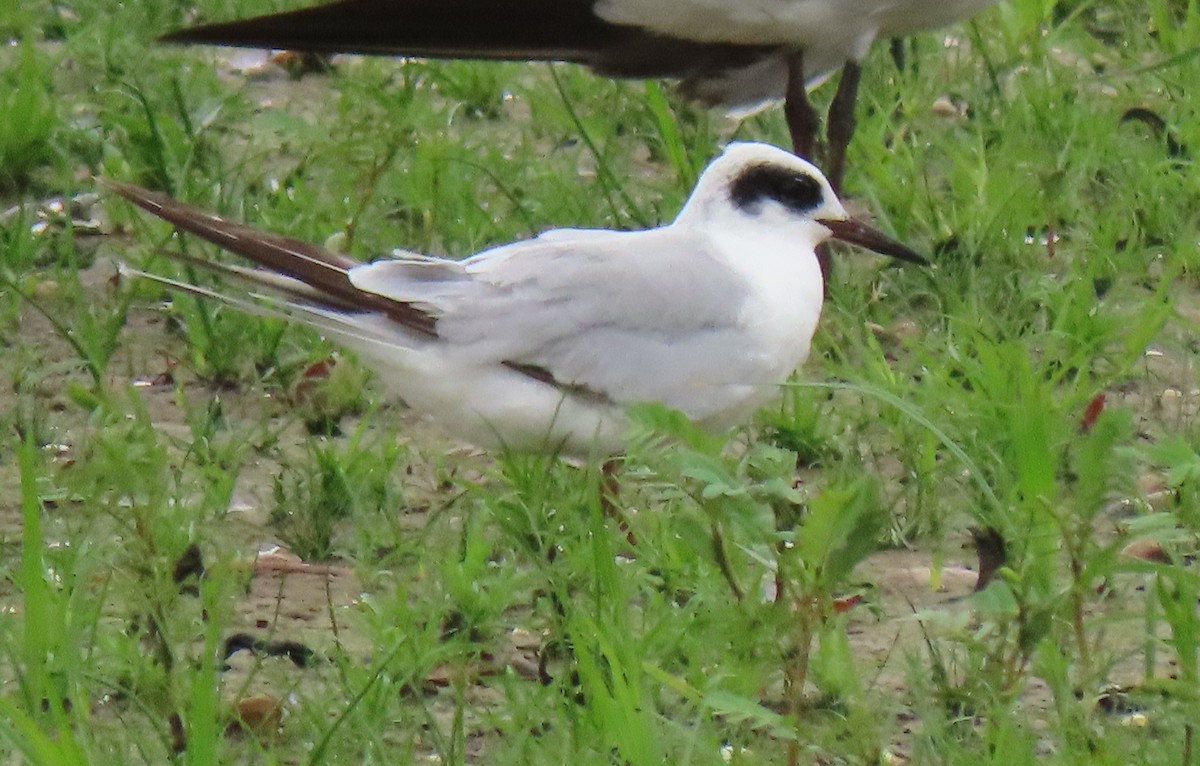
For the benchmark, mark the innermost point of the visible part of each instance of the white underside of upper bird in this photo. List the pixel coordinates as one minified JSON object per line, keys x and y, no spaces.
{"x":830,"y":32}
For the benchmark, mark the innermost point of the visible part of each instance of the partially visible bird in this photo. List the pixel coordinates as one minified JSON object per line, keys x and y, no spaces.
{"x":542,"y":344}
{"x":737,"y":54}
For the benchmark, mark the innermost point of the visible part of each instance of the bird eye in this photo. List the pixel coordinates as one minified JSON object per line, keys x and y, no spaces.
{"x":793,"y":189}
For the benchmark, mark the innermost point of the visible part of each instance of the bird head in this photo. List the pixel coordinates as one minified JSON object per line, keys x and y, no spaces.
{"x":758,"y":185}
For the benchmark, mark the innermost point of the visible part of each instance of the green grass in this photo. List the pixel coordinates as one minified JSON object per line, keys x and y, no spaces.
{"x":1066,"y":243}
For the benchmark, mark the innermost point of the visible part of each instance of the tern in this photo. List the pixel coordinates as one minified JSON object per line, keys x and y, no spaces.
{"x":737,"y":54}
{"x":542,"y":344}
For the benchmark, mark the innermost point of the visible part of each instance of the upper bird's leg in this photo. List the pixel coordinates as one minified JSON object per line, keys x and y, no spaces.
{"x":841,"y":124}
{"x":899,"y":57}
{"x":802,"y":119}
{"x":804,"y":124}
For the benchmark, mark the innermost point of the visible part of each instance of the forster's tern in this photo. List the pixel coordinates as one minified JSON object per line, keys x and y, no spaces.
{"x":540,"y":344}
{"x":733,"y":53}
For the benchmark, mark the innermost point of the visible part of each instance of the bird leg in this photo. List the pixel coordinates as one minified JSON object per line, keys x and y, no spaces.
{"x":804,"y":124}
{"x":718,"y":543}
{"x":609,"y":487}
{"x":899,"y":58}
{"x":841,"y":123}
{"x":802,"y":119}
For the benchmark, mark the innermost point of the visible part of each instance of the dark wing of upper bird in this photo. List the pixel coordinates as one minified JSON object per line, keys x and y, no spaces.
{"x":506,"y":30}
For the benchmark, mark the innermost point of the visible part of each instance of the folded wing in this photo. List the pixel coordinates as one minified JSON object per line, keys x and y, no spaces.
{"x":592,"y":310}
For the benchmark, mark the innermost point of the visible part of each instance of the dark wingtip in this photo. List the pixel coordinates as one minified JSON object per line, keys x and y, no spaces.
{"x":321,"y":269}
{"x":232,"y":34}
{"x":318,"y":28}
{"x":108,"y":184}
{"x":178,"y":36}
{"x":146,"y":199}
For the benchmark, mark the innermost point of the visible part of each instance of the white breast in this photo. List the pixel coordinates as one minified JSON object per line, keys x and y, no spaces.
{"x":780,"y":316}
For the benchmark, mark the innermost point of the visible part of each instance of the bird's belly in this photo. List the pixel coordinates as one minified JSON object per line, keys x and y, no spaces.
{"x":778,"y":348}
{"x":913,"y":16}
{"x":748,"y":22}
{"x":497,"y":408}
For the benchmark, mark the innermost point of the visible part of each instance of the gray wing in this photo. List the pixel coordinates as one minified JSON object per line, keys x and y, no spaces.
{"x":633,"y":316}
